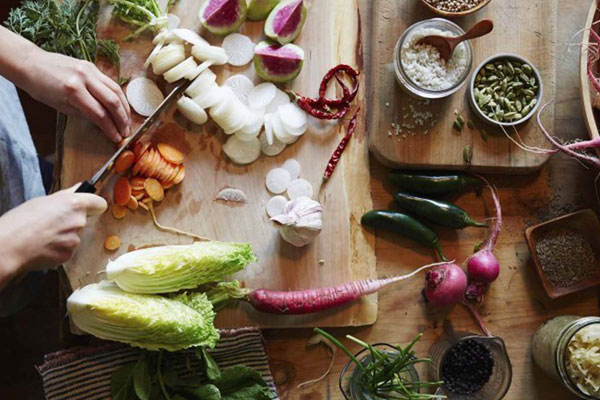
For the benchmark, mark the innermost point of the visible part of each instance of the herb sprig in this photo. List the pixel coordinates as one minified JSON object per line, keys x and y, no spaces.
{"x":153,"y":377}
{"x":384,"y":375}
{"x":145,"y":14}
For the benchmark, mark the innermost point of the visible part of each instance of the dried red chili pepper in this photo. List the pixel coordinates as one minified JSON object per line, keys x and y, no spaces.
{"x":351,"y":72}
{"x":337,"y":153}
{"x":318,"y":110}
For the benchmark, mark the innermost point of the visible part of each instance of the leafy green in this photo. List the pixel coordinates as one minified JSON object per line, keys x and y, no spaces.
{"x":121,"y":382}
{"x":142,"y":380}
{"x":167,"y":269}
{"x":205,"y":392}
{"x":147,"y":321}
{"x":211,"y":368}
{"x":67,"y":27}
{"x":237,"y":379}
{"x":145,"y":14}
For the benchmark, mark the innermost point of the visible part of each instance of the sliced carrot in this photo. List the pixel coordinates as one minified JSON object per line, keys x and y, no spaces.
{"x":112,"y":243}
{"x":154,"y":157}
{"x":137,"y":183}
{"x":122,"y":191}
{"x":118,"y":211}
{"x":140,"y":148}
{"x":167,"y":185}
{"x":180,"y":175}
{"x":138,"y":196}
{"x":154,"y":189}
{"x":145,"y":162}
{"x":132,"y":204}
{"x":170,"y":153}
{"x":124,"y":161}
{"x":164,"y":170}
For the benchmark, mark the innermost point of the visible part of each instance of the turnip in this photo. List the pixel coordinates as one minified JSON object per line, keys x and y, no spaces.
{"x":483,"y":266}
{"x":304,"y":301}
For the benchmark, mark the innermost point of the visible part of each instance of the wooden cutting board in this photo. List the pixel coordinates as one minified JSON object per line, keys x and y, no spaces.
{"x":527,"y":28}
{"x":341,"y":253}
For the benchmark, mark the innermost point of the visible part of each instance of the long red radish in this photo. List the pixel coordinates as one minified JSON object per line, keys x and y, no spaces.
{"x":483,"y":266}
{"x":305,"y":301}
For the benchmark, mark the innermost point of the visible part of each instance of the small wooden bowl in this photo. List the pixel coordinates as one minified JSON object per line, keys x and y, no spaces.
{"x":449,"y":14}
{"x":584,"y":221}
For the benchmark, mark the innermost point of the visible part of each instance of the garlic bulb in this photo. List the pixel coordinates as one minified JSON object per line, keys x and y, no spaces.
{"x":301,"y":221}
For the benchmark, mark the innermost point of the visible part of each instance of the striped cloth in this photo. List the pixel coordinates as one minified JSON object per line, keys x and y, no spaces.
{"x":85,"y":372}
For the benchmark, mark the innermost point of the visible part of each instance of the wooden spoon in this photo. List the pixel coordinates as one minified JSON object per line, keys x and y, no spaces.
{"x":446,"y":45}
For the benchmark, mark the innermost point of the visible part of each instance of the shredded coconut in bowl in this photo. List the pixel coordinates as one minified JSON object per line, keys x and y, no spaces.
{"x":424,"y":66}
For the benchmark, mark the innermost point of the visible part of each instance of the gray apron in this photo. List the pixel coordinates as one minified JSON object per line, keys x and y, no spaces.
{"x":20,"y":180}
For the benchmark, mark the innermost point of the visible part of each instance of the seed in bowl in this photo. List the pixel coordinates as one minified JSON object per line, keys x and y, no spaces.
{"x":454,"y":5}
{"x":424,"y":65}
{"x":506,"y":90}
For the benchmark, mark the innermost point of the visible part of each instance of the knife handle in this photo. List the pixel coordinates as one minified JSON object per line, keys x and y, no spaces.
{"x":86,"y":187}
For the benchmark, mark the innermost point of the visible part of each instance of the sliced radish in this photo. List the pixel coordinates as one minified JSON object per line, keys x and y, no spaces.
{"x":237,"y":116}
{"x":181,"y":70}
{"x":198,"y":70}
{"x":189,"y":36}
{"x":229,"y":113}
{"x":275,"y":206}
{"x":268,"y":129}
{"x":241,"y":152}
{"x":161,"y":37}
{"x":280,"y":99}
{"x":252,"y":125}
{"x":241,"y":86}
{"x":293,"y":167}
{"x":244,"y":136}
{"x":232,"y":195}
{"x":173,"y":21}
{"x":201,"y":83}
{"x":191,"y":110}
{"x":271,"y":150}
{"x":212,"y":53}
{"x":144,"y":96}
{"x":239,"y":49}
{"x":298,"y":188}
{"x":153,"y":54}
{"x":277,"y":180}
{"x":293,"y":118}
{"x":167,"y":58}
{"x":280,"y":132}
{"x":209,"y":97}
{"x":261,"y":95}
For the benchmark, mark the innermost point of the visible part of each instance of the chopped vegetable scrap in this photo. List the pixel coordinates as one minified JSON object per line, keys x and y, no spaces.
{"x":112,"y":243}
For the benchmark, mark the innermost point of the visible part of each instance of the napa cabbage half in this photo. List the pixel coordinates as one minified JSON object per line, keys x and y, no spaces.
{"x":148,"y":321}
{"x":168,"y":269}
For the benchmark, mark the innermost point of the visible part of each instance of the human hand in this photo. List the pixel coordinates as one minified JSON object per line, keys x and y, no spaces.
{"x":43,"y":232}
{"x":77,"y":88}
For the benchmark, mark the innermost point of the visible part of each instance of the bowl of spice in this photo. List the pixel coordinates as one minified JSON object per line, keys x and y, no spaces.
{"x":455,"y":8}
{"x":565,"y":252}
{"x":419,"y":68}
{"x":505,"y":90}
{"x":472,"y":367}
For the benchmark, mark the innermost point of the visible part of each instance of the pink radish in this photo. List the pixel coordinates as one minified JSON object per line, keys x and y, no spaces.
{"x":445,"y":285}
{"x":483,"y":266}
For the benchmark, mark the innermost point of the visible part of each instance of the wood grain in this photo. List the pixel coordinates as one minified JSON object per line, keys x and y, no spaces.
{"x":586,"y":91}
{"x":527,"y":28}
{"x":342,"y":252}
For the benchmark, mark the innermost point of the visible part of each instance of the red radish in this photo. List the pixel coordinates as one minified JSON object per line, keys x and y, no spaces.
{"x":483,"y":266}
{"x":475,"y":293}
{"x":445,"y":285}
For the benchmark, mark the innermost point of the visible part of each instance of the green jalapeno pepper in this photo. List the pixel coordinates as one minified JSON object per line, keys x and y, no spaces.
{"x":433,"y":184}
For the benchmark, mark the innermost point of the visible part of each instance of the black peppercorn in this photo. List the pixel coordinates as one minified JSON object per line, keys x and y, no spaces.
{"x":467,"y":367}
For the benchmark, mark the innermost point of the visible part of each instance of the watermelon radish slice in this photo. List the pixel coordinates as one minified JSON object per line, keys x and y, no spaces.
{"x":239,"y":49}
{"x":285,"y":21}
{"x":276,"y":63}
{"x":222,"y":17}
{"x":260,"y":9}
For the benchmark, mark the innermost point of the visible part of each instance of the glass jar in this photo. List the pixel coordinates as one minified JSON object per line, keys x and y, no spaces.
{"x":348,"y":386}
{"x":549,"y":348}
{"x":407,"y":83}
{"x":501,"y":377}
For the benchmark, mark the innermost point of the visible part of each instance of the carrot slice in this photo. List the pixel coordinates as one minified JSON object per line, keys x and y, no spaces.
{"x":170,"y":153}
{"x":118,"y":211}
{"x":180,"y":175}
{"x":138,"y":195}
{"x":154,"y":189}
{"x":122,"y":191}
{"x":112,"y":243}
{"x":172,"y":173}
{"x":132,"y":204}
{"x":140,"y":148}
{"x":137,"y":183}
{"x":164,"y":170}
{"x":124,"y":161}
{"x":145,"y":161}
{"x":152,"y":163}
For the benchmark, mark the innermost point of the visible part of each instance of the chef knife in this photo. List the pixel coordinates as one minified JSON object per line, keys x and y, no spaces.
{"x":89,"y":186}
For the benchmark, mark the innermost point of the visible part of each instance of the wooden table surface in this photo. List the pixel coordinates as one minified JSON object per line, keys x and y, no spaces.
{"x":517,"y":303}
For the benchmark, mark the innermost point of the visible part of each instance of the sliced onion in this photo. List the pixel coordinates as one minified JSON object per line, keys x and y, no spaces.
{"x":201,"y":83}
{"x":239,"y":49}
{"x":212,"y":53}
{"x":181,"y":70}
{"x":241,"y":152}
{"x":261,"y":95}
{"x":241,"y":86}
{"x":191,"y":110}
{"x":144,"y":96}
{"x":271,"y":150}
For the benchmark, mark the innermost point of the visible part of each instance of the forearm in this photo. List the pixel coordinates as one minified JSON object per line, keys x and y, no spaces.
{"x":9,"y":267}
{"x":15,"y":53}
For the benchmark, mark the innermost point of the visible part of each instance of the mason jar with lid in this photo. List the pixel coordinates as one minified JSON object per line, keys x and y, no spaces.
{"x":550,"y":344}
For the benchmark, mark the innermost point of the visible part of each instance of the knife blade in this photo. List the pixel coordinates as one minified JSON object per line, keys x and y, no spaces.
{"x":89,"y":186}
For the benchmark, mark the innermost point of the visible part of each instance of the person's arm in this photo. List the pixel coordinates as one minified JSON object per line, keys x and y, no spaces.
{"x":72,"y":86}
{"x":43,"y":232}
